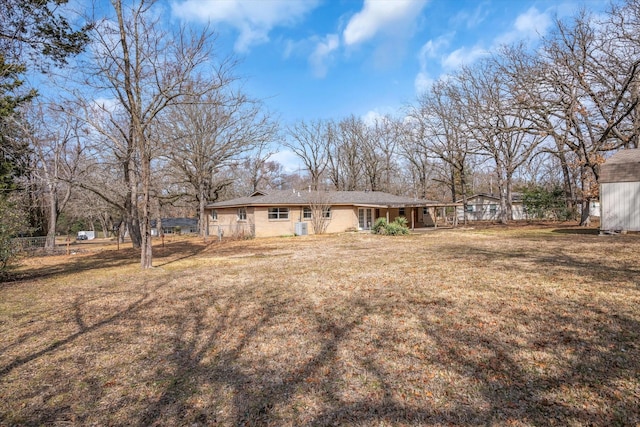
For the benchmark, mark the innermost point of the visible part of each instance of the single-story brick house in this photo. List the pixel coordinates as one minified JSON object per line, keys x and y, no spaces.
{"x":486,"y":207}
{"x":620,"y":192}
{"x":175,"y":225}
{"x":288,"y":212}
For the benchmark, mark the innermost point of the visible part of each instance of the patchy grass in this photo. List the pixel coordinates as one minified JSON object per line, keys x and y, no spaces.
{"x":492,"y":326}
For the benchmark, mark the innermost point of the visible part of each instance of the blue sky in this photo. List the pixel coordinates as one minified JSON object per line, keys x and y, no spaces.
{"x":321,"y":59}
{"x":327,"y":59}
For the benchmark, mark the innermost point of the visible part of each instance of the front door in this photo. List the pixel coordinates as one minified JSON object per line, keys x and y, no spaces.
{"x":365,"y":218}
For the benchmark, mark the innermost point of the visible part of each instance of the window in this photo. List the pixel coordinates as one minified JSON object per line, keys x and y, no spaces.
{"x":278,"y":213}
{"x":493,"y":209}
{"x":401,"y":212}
{"x":425,"y":211}
{"x":326,"y":213}
{"x":214,"y":215}
{"x":471,"y":208}
{"x":242,"y":214}
{"x":306,"y":213}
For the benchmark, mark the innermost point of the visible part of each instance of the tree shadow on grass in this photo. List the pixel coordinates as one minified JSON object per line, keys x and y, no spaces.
{"x":257,"y":389}
{"x":510,"y":390}
{"x":145,"y":299}
{"x":536,"y":259}
{"x":105,"y":259}
{"x":211,"y":370}
{"x":587,"y":369}
{"x":210,"y":381}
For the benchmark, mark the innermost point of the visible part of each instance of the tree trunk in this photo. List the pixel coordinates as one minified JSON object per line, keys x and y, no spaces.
{"x":509,"y":197}
{"x":585,"y":217}
{"x":503,"y":194}
{"x":202,"y":226}
{"x":146,"y":249}
{"x":50,"y":243}
{"x":463,"y":190}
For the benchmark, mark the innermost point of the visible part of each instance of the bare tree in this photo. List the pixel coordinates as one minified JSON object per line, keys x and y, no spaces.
{"x":413,"y":149}
{"x":310,"y":142}
{"x":54,"y":138}
{"x":596,"y":78}
{"x":501,"y":129}
{"x":442,"y":133}
{"x":208,"y":132}
{"x":533,"y":84}
{"x":385,"y":134}
{"x":347,"y":155}
{"x":143,"y":68}
{"x":320,"y":211}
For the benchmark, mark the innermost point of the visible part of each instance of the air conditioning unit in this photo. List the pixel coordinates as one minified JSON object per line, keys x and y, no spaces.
{"x":302,"y":228}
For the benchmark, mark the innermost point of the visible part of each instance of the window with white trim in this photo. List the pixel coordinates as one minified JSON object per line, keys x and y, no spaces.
{"x":278,"y":213}
{"x":214,"y":215}
{"x":326,"y":213}
{"x":242,"y":214}
{"x":306,"y":213}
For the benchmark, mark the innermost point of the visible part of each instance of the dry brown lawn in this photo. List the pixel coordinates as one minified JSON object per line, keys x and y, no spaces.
{"x":517,"y":326}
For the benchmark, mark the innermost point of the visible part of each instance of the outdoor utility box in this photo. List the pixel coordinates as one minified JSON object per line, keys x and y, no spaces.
{"x":302,"y":228}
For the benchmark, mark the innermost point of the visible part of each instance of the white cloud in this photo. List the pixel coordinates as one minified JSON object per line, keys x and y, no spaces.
{"x":528,"y":26}
{"x":471,"y":19}
{"x":463,"y":56}
{"x":432,"y":48}
{"x":288,"y":159}
{"x":109,"y":105}
{"x":381,"y":16}
{"x":253,"y":19}
{"x":533,"y":23}
{"x":423,"y":82}
{"x":429,"y":52}
{"x":322,"y":54}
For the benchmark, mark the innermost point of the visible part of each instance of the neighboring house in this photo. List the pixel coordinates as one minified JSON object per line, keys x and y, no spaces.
{"x":620,"y":192}
{"x":288,"y":212}
{"x":175,"y":226}
{"x":486,"y":207}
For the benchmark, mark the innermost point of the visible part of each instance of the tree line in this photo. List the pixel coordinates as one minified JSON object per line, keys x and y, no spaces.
{"x":518,"y":118}
{"x":150,"y":120}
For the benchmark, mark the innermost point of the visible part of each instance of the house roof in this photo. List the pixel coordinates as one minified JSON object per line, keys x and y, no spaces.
{"x":299,"y":198}
{"x":515,"y":197}
{"x":623,"y":166}
{"x":176,"y":222}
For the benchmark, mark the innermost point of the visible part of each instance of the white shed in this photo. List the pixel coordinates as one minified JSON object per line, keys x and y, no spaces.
{"x":620,"y":192}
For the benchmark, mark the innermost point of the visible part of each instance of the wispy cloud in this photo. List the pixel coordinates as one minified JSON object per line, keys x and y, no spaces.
{"x":253,"y":19}
{"x":528,"y":27}
{"x":471,"y":19}
{"x":288,"y":159}
{"x":381,"y":16}
{"x":429,"y":53}
{"x":463,"y":56}
{"x":323,"y":54}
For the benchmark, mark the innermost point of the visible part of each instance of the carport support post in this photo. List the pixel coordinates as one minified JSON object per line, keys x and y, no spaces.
{"x":413,"y":214}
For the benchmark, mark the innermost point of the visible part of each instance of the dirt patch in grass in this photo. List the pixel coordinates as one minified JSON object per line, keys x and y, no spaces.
{"x":491,"y":326}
